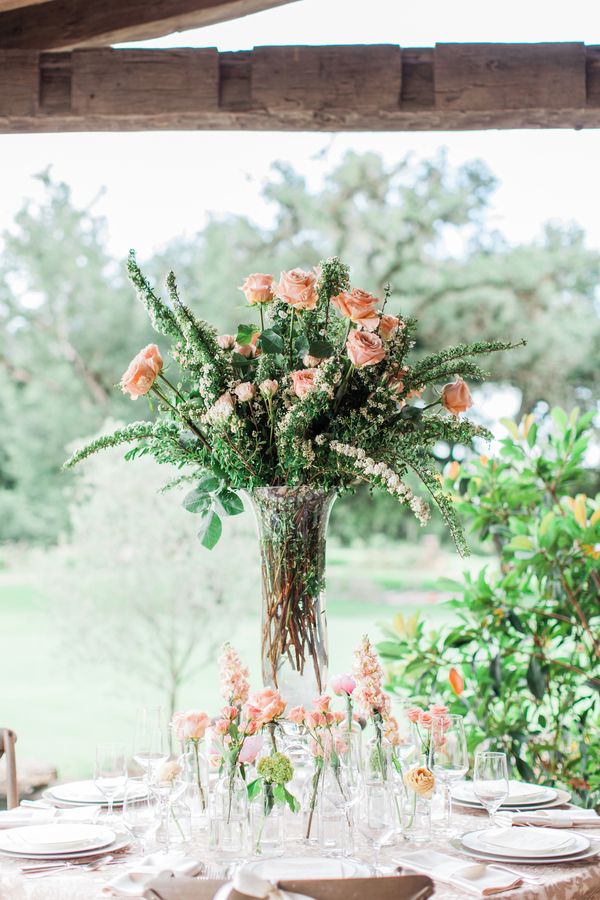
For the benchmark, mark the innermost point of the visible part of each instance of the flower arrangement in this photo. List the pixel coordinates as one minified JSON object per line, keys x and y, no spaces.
{"x":274,"y":772}
{"x":320,"y":391}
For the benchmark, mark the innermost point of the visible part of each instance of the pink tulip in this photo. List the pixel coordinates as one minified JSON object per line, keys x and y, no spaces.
{"x":343,"y":684}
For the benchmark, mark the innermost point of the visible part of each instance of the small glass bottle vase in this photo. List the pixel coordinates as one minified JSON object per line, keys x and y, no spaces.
{"x":416,"y":814}
{"x":194,"y":774}
{"x":229,"y":814}
{"x":335,"y":828}
{"x":175,"y":825}
{"x":266,"y":820}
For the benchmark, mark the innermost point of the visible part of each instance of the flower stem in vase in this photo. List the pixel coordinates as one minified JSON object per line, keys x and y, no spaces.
{"x":313,"y":800}
{"x":198,"y":776}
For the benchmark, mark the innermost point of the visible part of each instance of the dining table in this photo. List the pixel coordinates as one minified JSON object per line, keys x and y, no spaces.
{"x":558,"y":881}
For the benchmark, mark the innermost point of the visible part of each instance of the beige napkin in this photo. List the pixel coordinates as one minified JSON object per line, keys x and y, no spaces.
{"x":28,"y":815}
{"x":409,"y":887}
{"x":478,"y":879}
{"x":135,"y":881}
{"x":557,"y":818}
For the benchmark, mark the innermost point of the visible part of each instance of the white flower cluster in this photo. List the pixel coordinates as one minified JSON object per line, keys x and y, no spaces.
{"x":388,"y":479}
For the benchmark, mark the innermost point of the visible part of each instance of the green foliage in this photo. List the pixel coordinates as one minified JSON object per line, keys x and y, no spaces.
{"x":528,"y":638}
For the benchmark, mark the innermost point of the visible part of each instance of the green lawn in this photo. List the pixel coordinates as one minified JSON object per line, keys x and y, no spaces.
{"x":61,"y":708}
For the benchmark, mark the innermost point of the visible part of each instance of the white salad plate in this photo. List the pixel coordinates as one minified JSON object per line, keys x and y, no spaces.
{"x":519,"y":793}
{"x":522,"y":860}
{"x":295,"y":868}
{"x":525,"y":843}
{"x":55,"y":838}
{"x":86,"y":792}
{"x":561,"y":797}
{"x":121,"y":842}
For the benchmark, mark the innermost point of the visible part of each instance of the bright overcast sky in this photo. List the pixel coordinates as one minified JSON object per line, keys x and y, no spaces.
{"x":158,"y":185}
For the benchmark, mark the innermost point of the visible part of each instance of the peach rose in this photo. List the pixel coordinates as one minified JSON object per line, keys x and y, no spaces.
{"x":436,"y":709}
{"x":456,"y":396}
{"x":322,"y":703}
{"x":388,"y":327}
{"x":421,"y":780}
{"x":364,"y":349}
{"x":268,"y":387}
{"x":245,"y":391}
{"x":413,"y":713}
{"x":190,"y":725}
{"x":142,"y":372}
{"x":425,"y":720}
{"x":265,"y":706}
{"x":226,"y":341}
{"x":358,"y":306}
{"x":258,"y":288}
{"x":169,"y":772}
{"x":298,"y":288}
{"x":303,"y":381}
{"x":297,"y":715}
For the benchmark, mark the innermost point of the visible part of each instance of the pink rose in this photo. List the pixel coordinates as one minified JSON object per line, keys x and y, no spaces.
{"x":358,"y":306}
{"x":339,"y":716}
{"x":388,"y":327}
{"x":425,"y":719}
{"x":258,"y":288}
{"x":142,"y":372}
{"x":364,"y":349}
{"x":230,"y":712}
{"x":456,"y":397}
{"x":190,"y":725}
{"x":436,"y":709}
{"x":297,"y":715}
{"x":343,"y":684}
{"x":321,"y":704}
{"x":268,"y":387}
{"x":221,"y":726}
{"x":303,"y":381}
{"x":413,"y":713}
{"x":226,"y":341}
{"x":251,"y":748}
{"x":265,"y":706}
{"x":298,"y":288}
{"x":245,"y":391}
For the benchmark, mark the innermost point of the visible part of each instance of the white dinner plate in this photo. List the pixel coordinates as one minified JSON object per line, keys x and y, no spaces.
{"x":295,"y":868}
{"x":86,"y":792}
{"x":52,"y":839}
{"x":519,"y":793}
{"x":525,"y":861}
{"x":121,"y":842}
{"x":560,"y":799}
{"x":544,"y":843}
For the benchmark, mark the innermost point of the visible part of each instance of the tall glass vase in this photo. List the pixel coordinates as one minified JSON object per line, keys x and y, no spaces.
{"x":292,"y":527}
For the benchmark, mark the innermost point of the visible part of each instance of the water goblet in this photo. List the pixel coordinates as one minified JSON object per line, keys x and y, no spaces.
{"x":380,"y":822}
{"x":110,"y":773}
{"x":490,"y":781}
{"x":448,"y":756}
{"x":140,"y":811}
{"x":150,"y":742}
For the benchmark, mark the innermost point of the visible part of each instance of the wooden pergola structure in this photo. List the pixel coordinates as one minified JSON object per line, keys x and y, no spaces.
{"x":59,"y":73}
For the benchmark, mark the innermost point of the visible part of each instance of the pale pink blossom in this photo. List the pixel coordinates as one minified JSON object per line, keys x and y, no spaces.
{"x":190,"y":725}
{"x":343,"y":684}
{"x":436,"y":709}
{"x":297,"y":715}
{"x":312,"y":362}
{"x":235,"y":684}
{"x":413,"y":713}
{"x":389,"y":326}
{"x":226,"y":341}
{"x":369,"y":675}
{"x":425,"y":719}
{"x":245,"y":391}
{"x":223,"y":408}
{"x":250,"y":748}
{"x":303,"y":381}
{"x":322,"y":703}
{"x":221,"y":726}
{"x":268,"y":387}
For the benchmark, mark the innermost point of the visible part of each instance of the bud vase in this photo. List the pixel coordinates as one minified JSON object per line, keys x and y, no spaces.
{"x":229,"y":814}
{"x":194,"y":774}
{"x":292,"y":527}
{"x":266,"y":818}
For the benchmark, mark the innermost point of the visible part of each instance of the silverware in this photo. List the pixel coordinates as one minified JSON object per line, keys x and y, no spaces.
{"x":51,"y":868}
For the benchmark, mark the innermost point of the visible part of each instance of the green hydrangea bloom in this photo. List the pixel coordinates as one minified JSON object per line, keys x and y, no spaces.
{"x":275,"y":769}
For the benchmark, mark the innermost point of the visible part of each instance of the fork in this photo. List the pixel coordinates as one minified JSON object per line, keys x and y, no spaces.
{"x":41,"y":871}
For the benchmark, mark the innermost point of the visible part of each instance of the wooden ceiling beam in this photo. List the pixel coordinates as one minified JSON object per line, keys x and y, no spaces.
{"x":66,"y":24}
{"x":344,"y":88}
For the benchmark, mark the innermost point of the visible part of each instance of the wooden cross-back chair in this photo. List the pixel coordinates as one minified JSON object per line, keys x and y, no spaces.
{"x":7,"y":749}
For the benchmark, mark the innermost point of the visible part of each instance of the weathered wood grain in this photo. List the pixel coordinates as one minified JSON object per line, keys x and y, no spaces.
{"x":65,"y":24}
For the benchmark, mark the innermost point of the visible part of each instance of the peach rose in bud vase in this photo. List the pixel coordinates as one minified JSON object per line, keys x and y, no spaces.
{"x":364,"y":349}
{"x":268,"y":387}
{"x":245,"y":391}
{"x":421,"y":780}
{"x":456,"y":397}
{"x":265,"y":706}
{"x":258,"y":288}
{"x":413,"y":713}
{"x":142,"y":372}
{"x":226,"y":341}
{"x":303,"y":381}
{"x":190,"y":725}
{"x":358,"y":306}
{"x":298,"y":288}
{"x":388,"y":327}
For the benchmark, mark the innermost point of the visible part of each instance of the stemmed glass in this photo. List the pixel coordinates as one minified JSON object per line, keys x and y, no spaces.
{"x":110,"y":773}
{"x":448,"y":756}
{"x":490,"y":781}
{"x":140,"y":810}
{"x":380,"y":823}
{"x":409,"y":747}
{"x":150,"y":744}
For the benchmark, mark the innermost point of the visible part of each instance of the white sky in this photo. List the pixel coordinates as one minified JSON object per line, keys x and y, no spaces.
{"x":162,"y":184}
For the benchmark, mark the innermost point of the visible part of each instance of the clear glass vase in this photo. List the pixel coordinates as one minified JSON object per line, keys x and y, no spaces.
{"x":229,"y":814}
{"x":194,"y":773}
{"x":292,"y":526}
{"x":266,"y":818}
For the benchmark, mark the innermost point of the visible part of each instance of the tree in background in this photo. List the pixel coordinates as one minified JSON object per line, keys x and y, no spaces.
{"x":128,"y":555}
{"x":68,"y":320}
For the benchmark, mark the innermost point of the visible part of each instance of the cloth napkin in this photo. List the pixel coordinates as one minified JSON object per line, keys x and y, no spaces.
{"x":33,"y":815}
{"x":478,"y":879}
{"x":534,"y":839}
{"x":134,"y":882}
{"x":557,"y":818}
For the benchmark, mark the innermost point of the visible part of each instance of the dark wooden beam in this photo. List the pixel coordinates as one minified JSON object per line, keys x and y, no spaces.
{"x":18,"y":4}
{"x":66,"y":24}
{"x":345,"y":88}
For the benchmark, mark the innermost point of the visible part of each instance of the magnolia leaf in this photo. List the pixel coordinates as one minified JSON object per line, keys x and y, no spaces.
{"x":536,"y":680}
{"x":320,"y":349}
{"x":244,"y":335}
{"x":209,"y":484}
{"x":271,"y":342}
{"x":229,"y":503}
{"x":301,"y":344}
{"x":511,"y":427}
{"x":241,"y":362}
{"x":196,"y":501}
{"x":210,"y":529}
{"x":521,"y":542}
{"x":546,"y":522}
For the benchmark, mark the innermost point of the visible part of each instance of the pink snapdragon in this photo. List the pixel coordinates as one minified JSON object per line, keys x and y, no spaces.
{"x":368,"y":674}
{"x":235,"y":684}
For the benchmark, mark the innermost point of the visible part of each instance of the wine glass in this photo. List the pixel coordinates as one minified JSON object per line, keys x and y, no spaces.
{"x":490,"y":781}
{"x":409,"y":745}
{"x":110,"y":773}
{"x":140,"y":810}
{"x":380,"y":823}
{"x":448,"y":756}
{"x":150,"y":743}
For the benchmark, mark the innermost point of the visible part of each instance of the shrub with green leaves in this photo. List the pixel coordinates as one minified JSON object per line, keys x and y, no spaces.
{"x":521,"y":658}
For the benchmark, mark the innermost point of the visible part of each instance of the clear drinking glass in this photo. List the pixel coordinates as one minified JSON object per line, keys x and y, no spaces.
{"x":110,"y":772}
{"x":490,"y":781}
{"x":380,"y":823}
{"x":448,"y":756}
{"x":141,"y":811}
{"x":409,"y":747}
{"x":150,"y":749}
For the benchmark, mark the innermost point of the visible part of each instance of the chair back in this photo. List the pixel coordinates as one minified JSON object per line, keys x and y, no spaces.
{"x":7,"y":749}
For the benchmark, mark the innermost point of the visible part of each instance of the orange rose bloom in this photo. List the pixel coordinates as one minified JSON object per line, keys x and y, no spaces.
{"x":456,"y":396}
{"x":303,"y":381}
{"x":388,"y":327}
{"x":258,"y":288}
{"x":298,"y":288}
{"x":142,"y":372}
{"x":358,"y":306}
{"x":456,"y":681}
{"x":364,"y":349}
